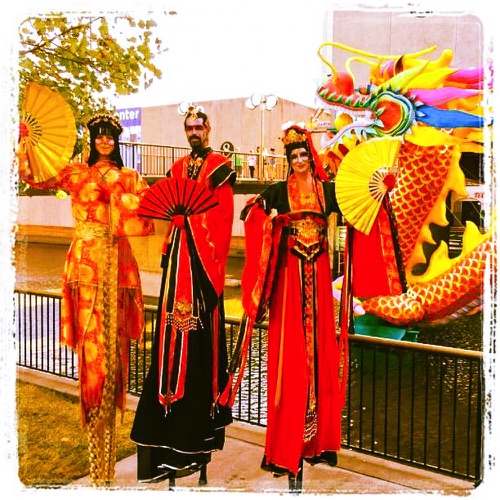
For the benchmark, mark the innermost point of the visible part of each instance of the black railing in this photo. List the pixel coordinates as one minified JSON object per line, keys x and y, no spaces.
{"x":413,"y":403}
{"x":416,"y":403}
{"x":154,"y":160}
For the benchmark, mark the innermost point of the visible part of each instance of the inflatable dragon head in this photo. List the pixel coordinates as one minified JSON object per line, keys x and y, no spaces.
{"x":437,"y":113}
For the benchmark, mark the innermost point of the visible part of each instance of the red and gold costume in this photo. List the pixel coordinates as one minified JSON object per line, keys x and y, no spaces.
{"x":178,"y":421}
{"x":102,"y":304}
{"x":288,"y":272}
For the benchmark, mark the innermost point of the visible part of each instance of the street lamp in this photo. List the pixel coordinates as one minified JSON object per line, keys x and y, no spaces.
{"x":263,"y":102}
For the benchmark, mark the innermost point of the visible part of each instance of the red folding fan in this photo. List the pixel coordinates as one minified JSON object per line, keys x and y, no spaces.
{"x":172,"y":196}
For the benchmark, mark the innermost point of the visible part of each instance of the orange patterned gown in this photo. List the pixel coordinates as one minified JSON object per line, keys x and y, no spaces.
{"x":102,"y":303}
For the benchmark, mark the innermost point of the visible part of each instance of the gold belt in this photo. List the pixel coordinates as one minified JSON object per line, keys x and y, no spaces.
{"x":308,"y":236}
{"x":90,"y":230}
{"x":307,"y":230}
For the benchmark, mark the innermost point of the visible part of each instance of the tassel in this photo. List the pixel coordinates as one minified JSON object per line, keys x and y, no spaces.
{"x":238,"y":362}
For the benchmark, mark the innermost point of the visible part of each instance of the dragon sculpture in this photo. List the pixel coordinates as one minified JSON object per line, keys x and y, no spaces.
{"x":438,"y":112}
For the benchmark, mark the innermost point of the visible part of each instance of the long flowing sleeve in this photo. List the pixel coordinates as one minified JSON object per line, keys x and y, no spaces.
{"x":212,"y":235}
{"x":261,"y":250}
{"x":67,"y":179}
{"x":125,"y":197}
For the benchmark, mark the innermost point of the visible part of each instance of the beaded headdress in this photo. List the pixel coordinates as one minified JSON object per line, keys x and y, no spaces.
{"x":103,"y":123}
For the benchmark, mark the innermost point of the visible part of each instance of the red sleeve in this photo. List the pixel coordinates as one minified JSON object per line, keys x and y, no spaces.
{"x":212,"y":235}
{"x":375,"y":269}
{"x":66,"y":179}
{"x":125,"y":197}
{"x":262,"y":238}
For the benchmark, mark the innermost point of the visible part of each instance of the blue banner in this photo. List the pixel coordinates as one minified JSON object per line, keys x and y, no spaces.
{"x":130,"y":119}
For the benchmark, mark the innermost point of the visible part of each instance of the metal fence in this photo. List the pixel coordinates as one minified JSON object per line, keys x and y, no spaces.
{"x":154,"y":160}
{"x":413,"y":403}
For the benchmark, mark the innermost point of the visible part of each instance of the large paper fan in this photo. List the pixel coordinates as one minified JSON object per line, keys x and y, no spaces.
{"x":365,"y":175}
{"x":49,"y":133}
{"x":175,"y":196}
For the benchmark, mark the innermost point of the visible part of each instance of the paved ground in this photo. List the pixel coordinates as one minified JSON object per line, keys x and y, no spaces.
{"x":236,"y":468}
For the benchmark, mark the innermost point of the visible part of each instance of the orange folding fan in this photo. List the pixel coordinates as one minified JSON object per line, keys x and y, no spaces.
{"x":50,"y":131}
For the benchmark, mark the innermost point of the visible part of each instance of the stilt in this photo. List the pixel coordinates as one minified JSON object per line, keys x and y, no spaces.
{"x":203,"y":475}
{"x":295,"y":481}
{"x":171,"y":482}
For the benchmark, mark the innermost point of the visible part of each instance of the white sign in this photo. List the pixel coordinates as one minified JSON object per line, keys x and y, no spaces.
{"x":475,"y":192}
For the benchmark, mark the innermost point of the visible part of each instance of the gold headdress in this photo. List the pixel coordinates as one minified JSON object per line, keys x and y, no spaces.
{"x":298,"y":137}
{"x":194,"y":110}
{"x":190,"y":110}
{"x":294,"y":136}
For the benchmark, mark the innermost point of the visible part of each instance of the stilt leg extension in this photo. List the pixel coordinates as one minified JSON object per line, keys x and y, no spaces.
{"x":203,"y":475}
{"x":171,"y":483}
{"x":295,"y":481}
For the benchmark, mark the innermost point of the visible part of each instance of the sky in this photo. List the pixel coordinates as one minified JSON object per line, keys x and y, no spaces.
{"x":235,"y":51}
{"x":219,"y":49}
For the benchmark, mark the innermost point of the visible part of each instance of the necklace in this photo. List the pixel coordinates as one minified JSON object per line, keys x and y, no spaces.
{"x":194,"y":167}
{"x":103,"y":175}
